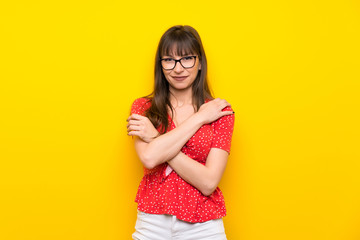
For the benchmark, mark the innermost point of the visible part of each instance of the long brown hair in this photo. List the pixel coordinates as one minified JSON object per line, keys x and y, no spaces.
{"x":185,"y":40}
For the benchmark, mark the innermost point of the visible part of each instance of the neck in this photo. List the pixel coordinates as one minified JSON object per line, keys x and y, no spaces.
{"x":182,"y":97}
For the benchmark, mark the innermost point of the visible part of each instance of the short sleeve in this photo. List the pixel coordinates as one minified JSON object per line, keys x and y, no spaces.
{"x":223,"y":131}
{"x":140,"y":106}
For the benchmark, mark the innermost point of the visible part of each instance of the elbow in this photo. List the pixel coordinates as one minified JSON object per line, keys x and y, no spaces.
{"x":151,"y":159}
{"x":207,"y":192}
{"x":148,"y":161}
{"x":148,"y":165}
{"x":208,"y":189}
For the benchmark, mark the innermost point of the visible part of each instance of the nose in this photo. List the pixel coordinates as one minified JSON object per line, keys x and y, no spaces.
{"x":178,"y":67}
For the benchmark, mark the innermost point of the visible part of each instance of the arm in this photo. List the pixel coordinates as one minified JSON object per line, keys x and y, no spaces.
{"x":203,"y":177}
{"x":206,"y":177}
{"x":165,"y":146}
{"x":168,"y":145}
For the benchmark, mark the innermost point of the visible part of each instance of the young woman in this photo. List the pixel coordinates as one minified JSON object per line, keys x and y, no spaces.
{"x":182,"y":137}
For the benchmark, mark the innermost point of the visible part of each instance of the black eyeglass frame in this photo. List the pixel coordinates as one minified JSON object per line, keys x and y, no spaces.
{"x":176,"y":61}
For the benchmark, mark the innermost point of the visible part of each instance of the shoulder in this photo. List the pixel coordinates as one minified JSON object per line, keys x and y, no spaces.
{"x":225,"y":109}
{"x":227,"y":120}
{"x":223,"y":129}
{"x":142,"y":101}
{"x":140,"y":105}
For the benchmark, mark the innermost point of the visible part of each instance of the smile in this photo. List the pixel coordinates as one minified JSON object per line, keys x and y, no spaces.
{"x":179,"y":78}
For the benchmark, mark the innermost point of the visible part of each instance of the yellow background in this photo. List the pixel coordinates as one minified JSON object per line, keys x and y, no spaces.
{"x":70,"y":70}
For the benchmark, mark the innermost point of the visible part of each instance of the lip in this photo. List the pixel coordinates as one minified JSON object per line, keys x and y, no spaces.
{"x":179,"y":78}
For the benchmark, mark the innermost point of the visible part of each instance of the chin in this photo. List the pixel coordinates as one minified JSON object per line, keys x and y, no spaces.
{"x":180,"y":86}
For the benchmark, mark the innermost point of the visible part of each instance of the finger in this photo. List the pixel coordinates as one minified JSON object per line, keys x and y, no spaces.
{"x":223,"y":101}
{"x":135,"y":116}
{"x":225,"y":113}
{"x":133,"y":128}
{"x":133,"y":133}
{"x":128,"y":125}
{"x":219,"y":101}
{"x":225,"y":104}
{"x":131,"y":117}
{"x":134,"y":122}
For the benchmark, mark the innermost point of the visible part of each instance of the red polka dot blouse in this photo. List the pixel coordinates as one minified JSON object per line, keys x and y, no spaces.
{"x":162,"y":193}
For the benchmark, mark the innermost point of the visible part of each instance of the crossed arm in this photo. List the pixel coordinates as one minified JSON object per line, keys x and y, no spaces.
{"x":153,"y":151}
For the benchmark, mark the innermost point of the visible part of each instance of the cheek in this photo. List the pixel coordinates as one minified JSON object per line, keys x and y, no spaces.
{"x":166,"y":75}
{"x":195,"y":72}
{"x":197,"y":68}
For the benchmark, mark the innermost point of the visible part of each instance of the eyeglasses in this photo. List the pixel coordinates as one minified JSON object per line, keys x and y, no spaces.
{"x":170,"y":63}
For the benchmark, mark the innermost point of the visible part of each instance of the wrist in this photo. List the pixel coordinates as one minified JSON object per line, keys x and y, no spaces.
{"x":198,"y":119}
{"x":172,"y":160}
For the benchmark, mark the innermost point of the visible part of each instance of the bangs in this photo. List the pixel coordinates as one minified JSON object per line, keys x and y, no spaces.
{"x":180,"y":44}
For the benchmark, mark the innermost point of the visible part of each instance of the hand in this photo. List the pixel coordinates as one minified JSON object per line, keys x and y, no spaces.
{"x":142,"y":127}
{"x":212,"y":110}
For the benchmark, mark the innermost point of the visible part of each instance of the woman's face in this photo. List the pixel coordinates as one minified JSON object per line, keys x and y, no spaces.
{"x":182,"y":76}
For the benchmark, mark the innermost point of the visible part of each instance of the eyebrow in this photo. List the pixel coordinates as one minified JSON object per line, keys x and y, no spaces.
{"x":172,"y":56}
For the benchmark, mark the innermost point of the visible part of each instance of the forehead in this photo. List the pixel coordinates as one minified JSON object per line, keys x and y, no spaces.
{"x":177,"y":49}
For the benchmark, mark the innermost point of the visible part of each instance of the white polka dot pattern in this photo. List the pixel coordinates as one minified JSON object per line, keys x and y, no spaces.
{"x":162,"y":194}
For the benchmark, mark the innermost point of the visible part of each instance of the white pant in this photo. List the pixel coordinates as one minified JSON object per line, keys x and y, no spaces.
{"x":168,"y":227}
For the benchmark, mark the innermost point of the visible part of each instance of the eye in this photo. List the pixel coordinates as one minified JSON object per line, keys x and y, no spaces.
{"x":189,"y":58}
{"x":168,"y":59}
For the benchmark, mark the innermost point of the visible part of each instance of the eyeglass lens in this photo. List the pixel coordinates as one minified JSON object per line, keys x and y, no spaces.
{"x":186,"y":62}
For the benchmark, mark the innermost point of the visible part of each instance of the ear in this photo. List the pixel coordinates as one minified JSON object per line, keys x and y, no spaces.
{"x":199,"y":66}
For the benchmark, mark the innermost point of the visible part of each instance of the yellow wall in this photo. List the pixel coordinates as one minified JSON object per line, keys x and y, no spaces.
{"x":70,"y":70}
